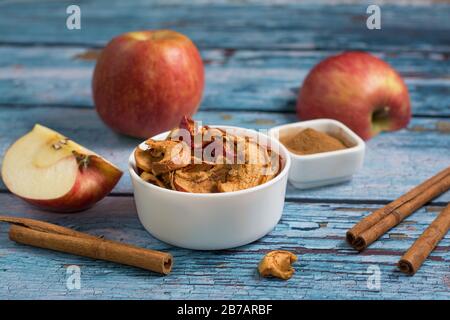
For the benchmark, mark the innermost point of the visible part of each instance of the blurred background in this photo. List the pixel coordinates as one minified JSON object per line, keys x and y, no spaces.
{"x":256,"y":52}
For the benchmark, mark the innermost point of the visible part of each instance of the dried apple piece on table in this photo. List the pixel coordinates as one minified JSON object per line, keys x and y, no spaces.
{"x":278,"y":264}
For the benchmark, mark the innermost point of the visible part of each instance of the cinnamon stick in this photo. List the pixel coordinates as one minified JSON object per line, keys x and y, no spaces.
{"x":422,"y":247}
{"x":380,"y":221}
{"x":45,"y":227}
{"x":49,"y":236}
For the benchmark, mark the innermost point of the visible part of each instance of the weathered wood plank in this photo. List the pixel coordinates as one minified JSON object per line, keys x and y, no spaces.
{"x":327,"y":269}
{"x":231,"y":24}
{"x":235,"y":79}
{"x":394,"y":162}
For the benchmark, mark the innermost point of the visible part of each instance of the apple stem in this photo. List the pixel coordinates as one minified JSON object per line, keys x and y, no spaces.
{"x":380,"y":119}
{"x":82,"y":159}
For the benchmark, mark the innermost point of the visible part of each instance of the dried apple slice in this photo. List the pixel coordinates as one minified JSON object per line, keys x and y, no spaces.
{"x":165,"y":156}
{"x":195,"y":179}
{"x":50,"y":171}
{"x":272,"y":169}
{"x":143,"y":159}
{"x":189,"y":125}
{"x":219,"y":173}
{"x":241,"y":176}
{"x":200,"y":178}
{"x":146,"y":176}
{"x":186,"y":131}
{"x":248,"y":174}
{"x":167,"y":179}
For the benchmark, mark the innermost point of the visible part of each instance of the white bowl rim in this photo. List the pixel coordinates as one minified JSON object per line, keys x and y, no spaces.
{"x":360,"y":144}
{"x":284,"y":171}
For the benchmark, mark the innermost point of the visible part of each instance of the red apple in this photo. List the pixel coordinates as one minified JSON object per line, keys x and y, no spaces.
{"x":52,"y":172}
{"x":358,"y":89}
{"x":145,"y":81}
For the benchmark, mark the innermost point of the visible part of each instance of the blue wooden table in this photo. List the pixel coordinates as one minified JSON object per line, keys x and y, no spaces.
{"x":256,"y":56}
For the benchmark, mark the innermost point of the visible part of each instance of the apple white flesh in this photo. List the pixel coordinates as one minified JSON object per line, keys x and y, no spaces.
{"x":48,"y":170}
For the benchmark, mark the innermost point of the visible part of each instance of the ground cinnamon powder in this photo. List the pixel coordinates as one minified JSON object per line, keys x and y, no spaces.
{"x":310,"y":141}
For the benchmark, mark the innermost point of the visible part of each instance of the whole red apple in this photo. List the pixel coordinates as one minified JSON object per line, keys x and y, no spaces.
{"x":358,"y":89}
{"x":145,"y":81}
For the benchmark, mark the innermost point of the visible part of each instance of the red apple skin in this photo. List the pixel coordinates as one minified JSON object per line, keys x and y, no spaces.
{"x":145,"y":81}
{"x":91,"y":185}
{"x":350,"y":87}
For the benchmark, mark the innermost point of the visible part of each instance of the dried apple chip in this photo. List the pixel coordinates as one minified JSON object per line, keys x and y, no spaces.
{"x":196,"y":179}
{"x":146,"y":176}
{"x":143,"y":159}
{"x":278,"y":264}
{"x":167,"y":155}
{"x":240,"y":176}
{"x":272,"y":168}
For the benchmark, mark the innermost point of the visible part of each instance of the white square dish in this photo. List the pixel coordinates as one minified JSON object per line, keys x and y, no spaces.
{"x":320,"y":169}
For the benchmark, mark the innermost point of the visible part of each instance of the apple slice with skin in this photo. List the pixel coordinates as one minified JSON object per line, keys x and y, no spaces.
{"x":52,"y":172}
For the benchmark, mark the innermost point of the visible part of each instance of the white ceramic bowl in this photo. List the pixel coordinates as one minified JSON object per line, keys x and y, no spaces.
{"x":212,"y":221}
{"x":320,"y":169}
